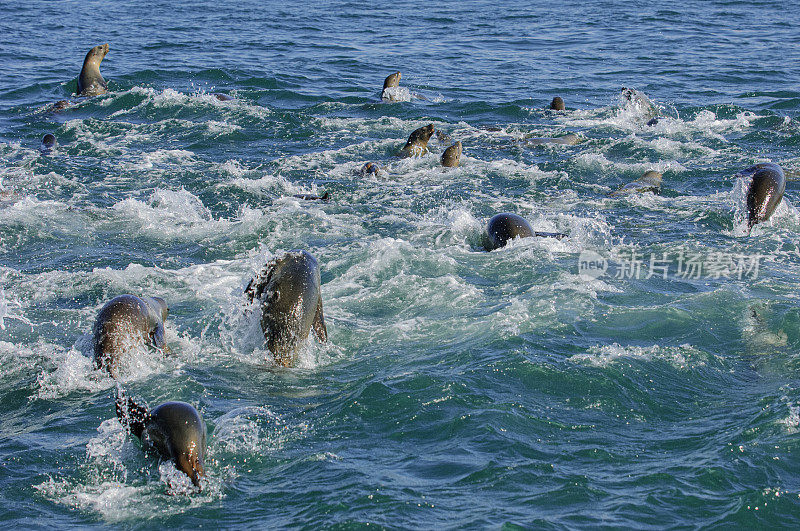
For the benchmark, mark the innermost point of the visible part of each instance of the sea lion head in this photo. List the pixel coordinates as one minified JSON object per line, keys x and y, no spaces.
{"x":97,"y":53}
{"x":765,"y":192}
{"x":393,"y":80}
{"x":182,"y":431}
{"x":653,"y":177}
{"x":49,"y":141}
{"x":191,"y":463}
{"x":425,"y":132}
{"x":569,"y":139}
{"x":161,"y":307}
{"x":370,"y":168}
{"x":452,"y":155}
{"x":557,"y":104}
{"x":418,"y":141}
{"x":504,"y":227}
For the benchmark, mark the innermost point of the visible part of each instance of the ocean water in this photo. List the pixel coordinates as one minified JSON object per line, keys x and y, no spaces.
{"x":459,"y":388}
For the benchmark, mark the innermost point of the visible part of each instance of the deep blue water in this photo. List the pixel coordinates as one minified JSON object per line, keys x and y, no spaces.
{"x":459,"y":388}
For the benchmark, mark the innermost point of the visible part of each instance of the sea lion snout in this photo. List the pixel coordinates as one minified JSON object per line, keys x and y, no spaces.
{"x":162,"y":307}
{"x":191,"y":464}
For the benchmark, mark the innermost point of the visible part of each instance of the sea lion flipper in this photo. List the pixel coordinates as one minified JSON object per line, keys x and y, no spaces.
{"x":249,"y":291}
{"x":256,"y":285}
{"x":320,"y":331}
{"x":133,"y":416}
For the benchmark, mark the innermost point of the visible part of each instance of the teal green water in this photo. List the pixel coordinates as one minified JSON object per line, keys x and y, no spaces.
{"x":459,"y":388}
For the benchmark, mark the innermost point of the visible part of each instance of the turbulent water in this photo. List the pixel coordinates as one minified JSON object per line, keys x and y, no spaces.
{"x":642,"y":372}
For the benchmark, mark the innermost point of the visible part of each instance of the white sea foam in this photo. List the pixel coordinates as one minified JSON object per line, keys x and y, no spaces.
{"x":253,"y":430}
{"x":668,"y":147}
{"x":10,"y":306}
{"x":705,"y":122}
{"x":792,"y":421}
{"x":45,"y":216}
{"x":396,"y":94}
{"x":165,"y":159}
{"x":167,"y":212}
{"x":19,"y":358}
{"x":595,"y":161}
{"x":67,"y":371}
{"x":684,"y":357}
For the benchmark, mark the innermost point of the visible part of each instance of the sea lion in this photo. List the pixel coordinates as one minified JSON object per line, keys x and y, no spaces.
{"x":391,"y":89}
{"x":124,"y":322}
{"x":557,"y":104}
{"x":288,"y":289}
{"x":452,"y":155}
{"x":417,"y":144}
{"x":641,"y":104}
{"x":49,"y":143}
{"x":765,"y":191}
{"x":649,"y":182}
{"x":312,"y":197}
{"x":174,"y":430}
{"x":222,"y":97}
{"x":443,"y":137}
{"x":58,"y":106}
{"x":506,"y":226}
{"x":370,"y":168}
{"x":570,"y":139}
{"x":90,"y":82}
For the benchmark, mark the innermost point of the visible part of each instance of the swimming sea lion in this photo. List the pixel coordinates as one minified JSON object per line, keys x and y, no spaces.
{"x":506,"y":226}
{"x":175,"y":430}
{"x":370,"y":168}
{"x":391,"y":90}
{"x":452,"y":155}
{"x":641,"y":104}
{"x":417,"y":144}
{"x":765,"y":191}
{"x":58,"y":106}
{"x":222,"y":97}
{"x":649,"y":182}
{"x":557,"y":104}
{"x":124,"y":322}
{"x":291,"y":303}
{"x":570,"y":139}
{"x":443,"y":137}
{"x":90,"y":82}
{"x":49,"y":143}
